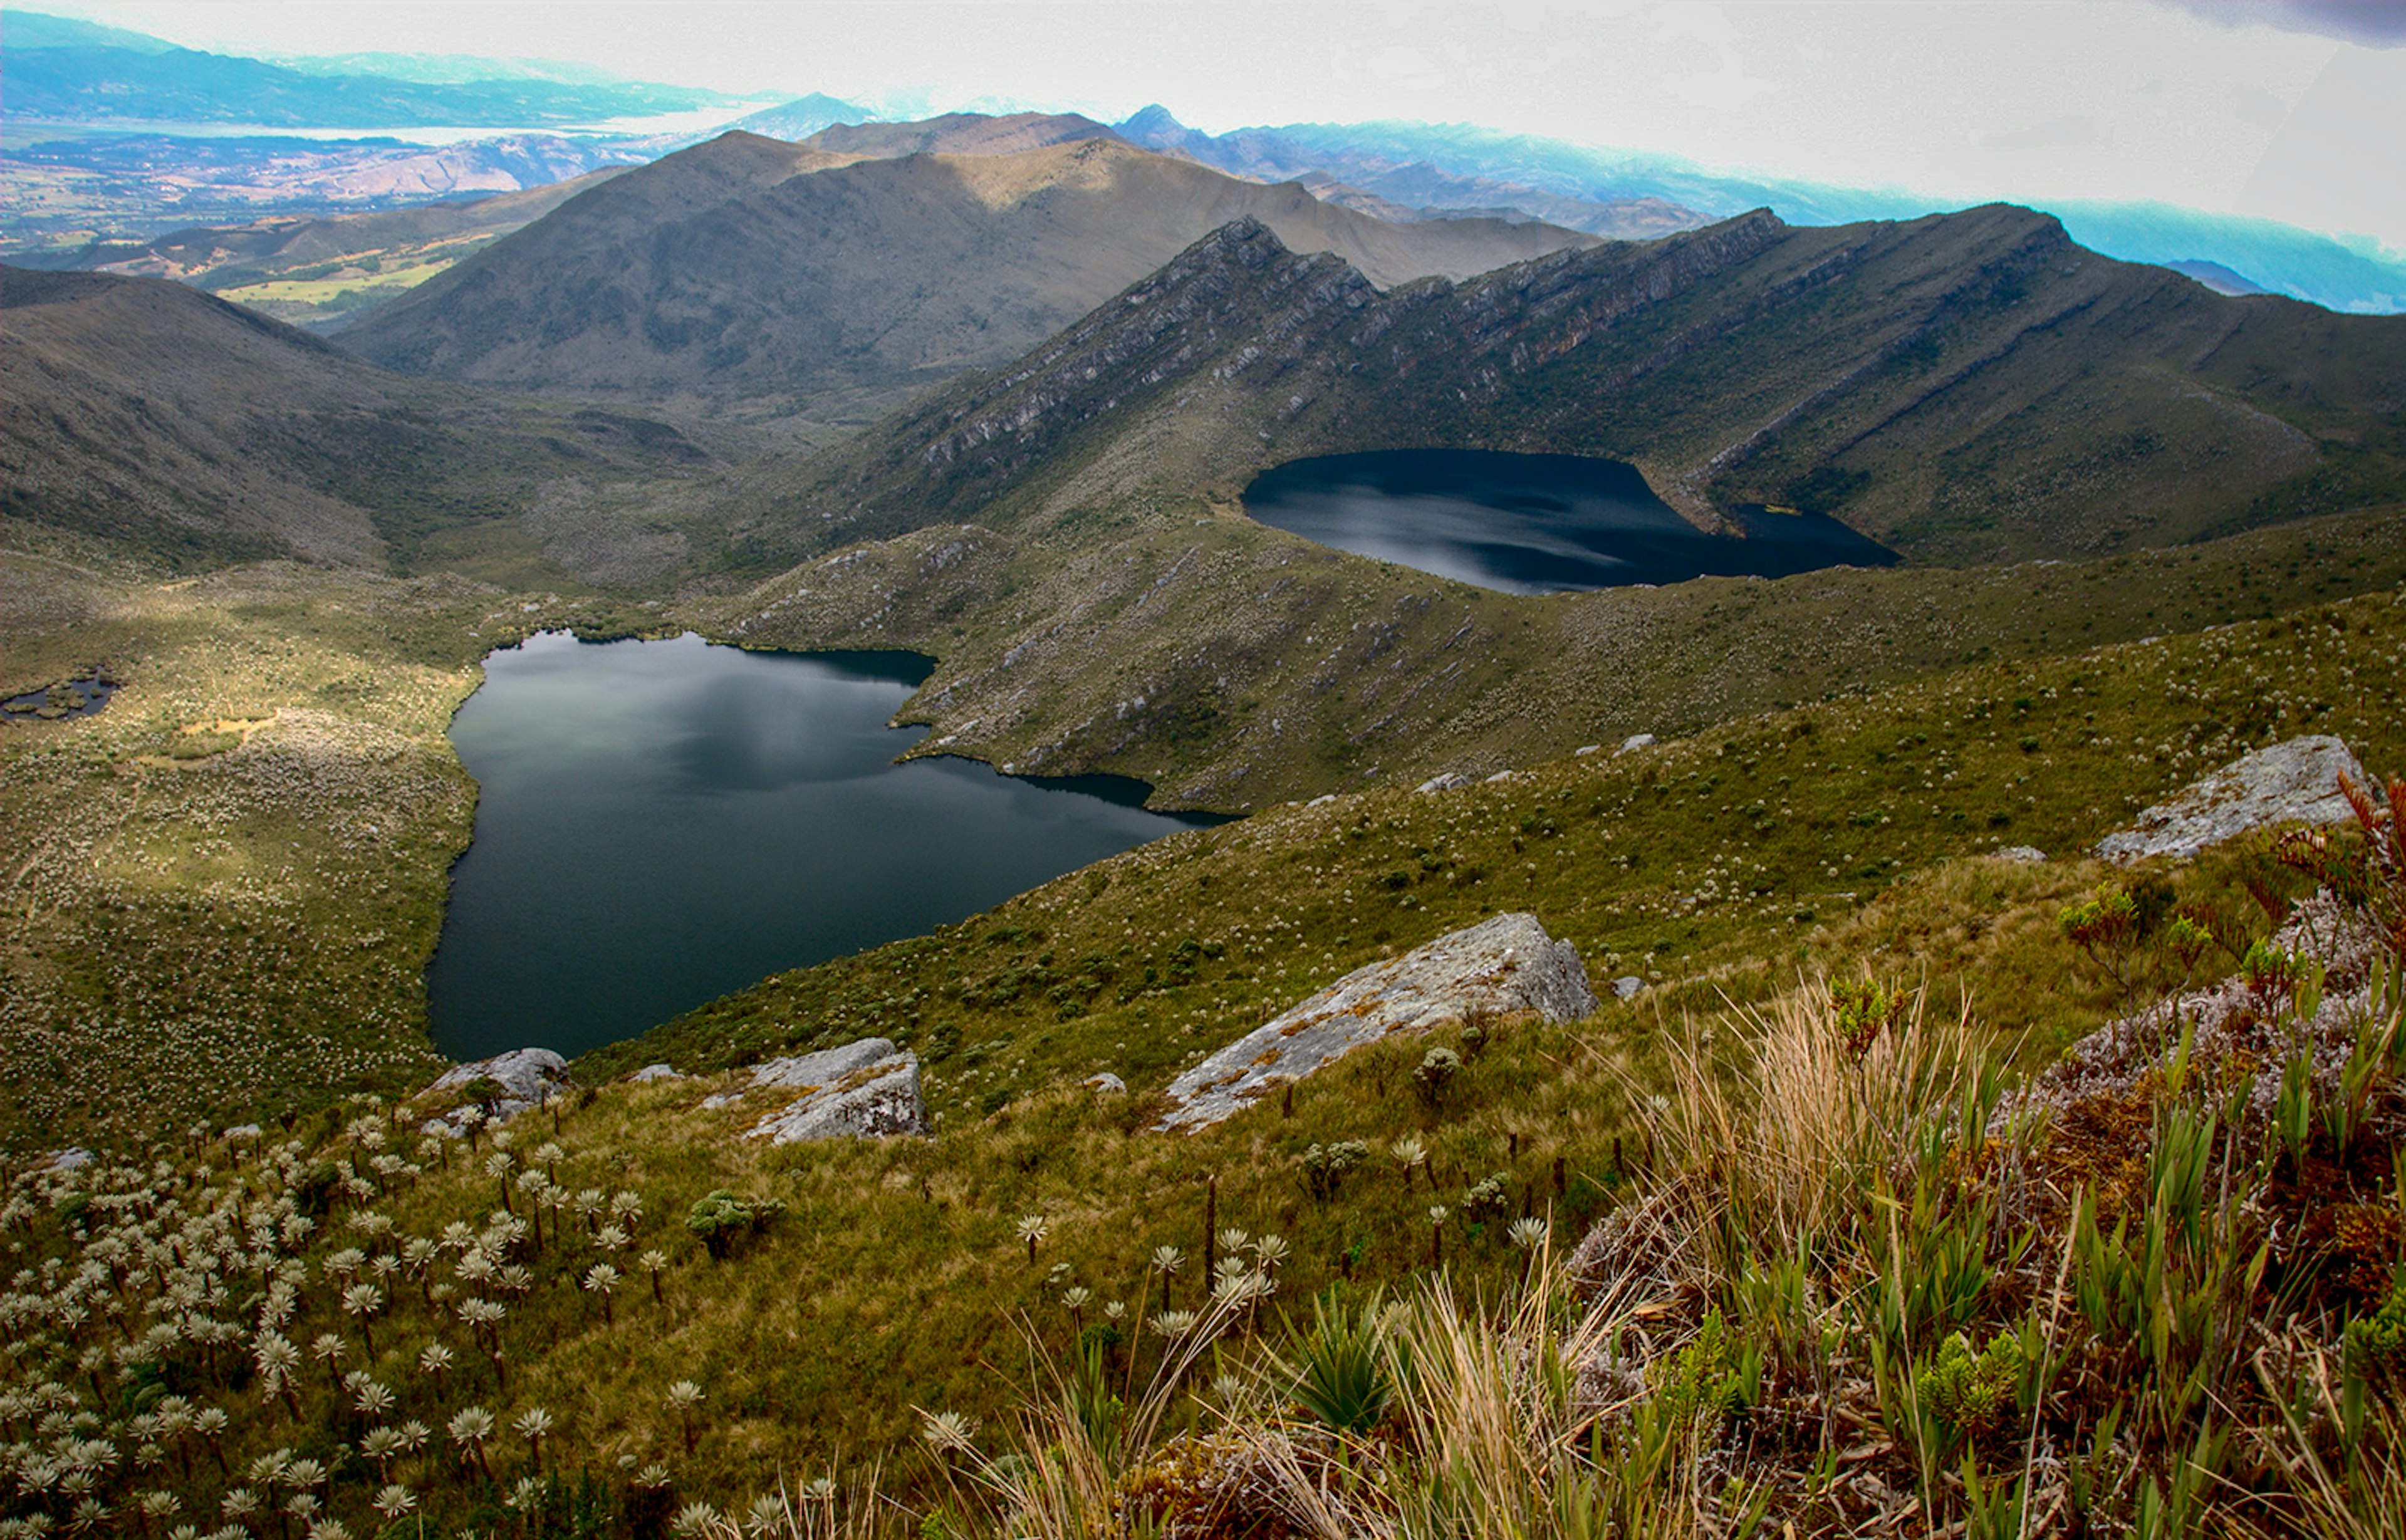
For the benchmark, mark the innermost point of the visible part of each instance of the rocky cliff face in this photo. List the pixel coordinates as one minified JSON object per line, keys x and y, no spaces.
{"x":1969,"y":386}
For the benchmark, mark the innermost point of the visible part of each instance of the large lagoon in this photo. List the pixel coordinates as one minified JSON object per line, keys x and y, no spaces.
{"x":1534,"y":524}
{"x":663,"y":822}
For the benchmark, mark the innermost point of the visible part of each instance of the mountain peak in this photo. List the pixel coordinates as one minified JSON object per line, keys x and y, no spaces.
{"x":961,"y":133}
{"x":1153,"y":119}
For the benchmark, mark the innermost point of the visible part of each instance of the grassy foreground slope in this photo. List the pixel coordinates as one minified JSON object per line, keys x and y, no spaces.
{"x":158,"y":897}
{"x":898,"y":1278}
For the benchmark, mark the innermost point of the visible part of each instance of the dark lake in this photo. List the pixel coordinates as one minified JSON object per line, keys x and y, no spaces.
{"x":663,"y":822}
{"x":1534,"y":524}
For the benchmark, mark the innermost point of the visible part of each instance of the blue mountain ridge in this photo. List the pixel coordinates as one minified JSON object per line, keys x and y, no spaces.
{"x":2336,"y":274}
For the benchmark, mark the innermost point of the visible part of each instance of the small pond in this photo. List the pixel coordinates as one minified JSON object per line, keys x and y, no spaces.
{"x":83,"y":696}
{"x":1531,"y":524}
{"x":663,"y":822}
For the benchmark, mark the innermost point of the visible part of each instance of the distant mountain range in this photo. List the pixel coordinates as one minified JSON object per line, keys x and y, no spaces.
{"x":1426,"y":165}
{"x":61,"y":195}
{"x":749,"y":269}
{"x":64,"y":70}
{"x":322,"y":273}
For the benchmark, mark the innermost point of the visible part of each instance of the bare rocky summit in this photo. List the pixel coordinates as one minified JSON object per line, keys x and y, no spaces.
{"x":1505,"y":964}
{"x":2291,"y":783}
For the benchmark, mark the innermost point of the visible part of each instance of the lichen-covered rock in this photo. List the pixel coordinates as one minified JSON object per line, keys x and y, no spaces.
{"x":1447,"y":782}
{"x":868,"y":1089}
{"x":527,"y":1076}
{"x":1505,"y":964}
{"x":2295,"y":782}
{"x":651,"y":1072}
{"x":2019,"y":854}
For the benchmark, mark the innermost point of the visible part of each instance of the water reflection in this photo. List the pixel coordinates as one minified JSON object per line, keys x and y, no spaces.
{"x":1532,"y":523}
{"x":662,"y":822}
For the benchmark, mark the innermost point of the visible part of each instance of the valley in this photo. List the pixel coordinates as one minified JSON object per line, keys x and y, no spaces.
{"x":560,"y":777}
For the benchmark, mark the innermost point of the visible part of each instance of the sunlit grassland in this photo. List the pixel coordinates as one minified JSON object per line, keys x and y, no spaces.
{"x":245,"y":931}
{"x":1233,"y":666}
{"x":326,"y":289}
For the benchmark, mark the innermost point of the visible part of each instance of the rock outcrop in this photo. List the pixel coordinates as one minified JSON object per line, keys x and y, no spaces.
{"x":2291,"y":783}
{"x":868,"y":1089}
{"x":1505,"y":964}
{"x":527,"y":1076}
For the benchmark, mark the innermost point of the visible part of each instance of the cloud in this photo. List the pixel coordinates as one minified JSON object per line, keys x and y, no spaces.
{"x":2055,"y":134}
{"x":2369,"y":24}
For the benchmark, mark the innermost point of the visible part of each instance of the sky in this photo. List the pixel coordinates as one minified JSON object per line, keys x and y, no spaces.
{"x":2286,"y":109}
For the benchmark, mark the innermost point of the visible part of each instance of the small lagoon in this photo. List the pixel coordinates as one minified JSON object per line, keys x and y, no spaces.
{"x":663,"y":822}
{"x":1534,"y":524}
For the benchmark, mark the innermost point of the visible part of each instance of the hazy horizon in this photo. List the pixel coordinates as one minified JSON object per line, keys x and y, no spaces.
{"x":2287,"y":112}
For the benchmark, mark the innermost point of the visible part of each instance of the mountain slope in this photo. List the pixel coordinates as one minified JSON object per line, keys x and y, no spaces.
{"x":173,"y":424}
{"x":748,"y":268}
{"x":1067,"y":533}
{"x":1962,"y":387}
{"x":959,"y":133}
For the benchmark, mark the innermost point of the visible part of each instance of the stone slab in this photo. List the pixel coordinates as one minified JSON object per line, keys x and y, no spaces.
{"x":1505,"y":964}
{"x":2291,"y":783}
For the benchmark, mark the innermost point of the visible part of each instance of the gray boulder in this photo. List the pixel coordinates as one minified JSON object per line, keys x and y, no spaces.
{"x":868,"y":1089}
{"x":1628,"y":988}
{"x":2291,"y":783}
{"x":1505,"y":964}
{"x":651,"y":1072}
{"x":2021,"y":854}
{"x":1106,"y":1083}
{"x":529,"y":1077}
{"x":1446,"y":782}
{"x":1635,"y":741}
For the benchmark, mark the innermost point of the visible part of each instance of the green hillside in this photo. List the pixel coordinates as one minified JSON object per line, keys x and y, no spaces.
{"x":884,"y":1284}
{"x":142,"y":419}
